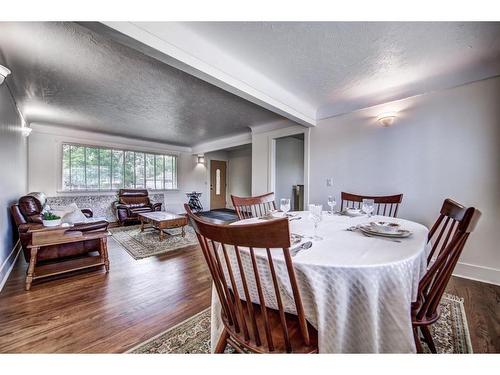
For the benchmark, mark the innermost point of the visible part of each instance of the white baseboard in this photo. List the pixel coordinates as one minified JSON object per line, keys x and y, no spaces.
{"x":478,"y":273}
{"x":13,"y":255}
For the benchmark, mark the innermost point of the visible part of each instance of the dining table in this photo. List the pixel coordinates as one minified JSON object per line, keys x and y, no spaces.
{"x":356,"y":290}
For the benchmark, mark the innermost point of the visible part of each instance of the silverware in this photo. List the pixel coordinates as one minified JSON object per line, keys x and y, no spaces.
{"x":301,"y":235}
{"x":295,"y":218}
{"x":304,"y":246}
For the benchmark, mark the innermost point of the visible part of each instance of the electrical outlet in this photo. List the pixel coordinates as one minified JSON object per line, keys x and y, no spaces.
{"x":329,"y":182}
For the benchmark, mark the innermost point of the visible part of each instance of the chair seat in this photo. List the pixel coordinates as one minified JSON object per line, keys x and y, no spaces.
{"x":277,"y":334}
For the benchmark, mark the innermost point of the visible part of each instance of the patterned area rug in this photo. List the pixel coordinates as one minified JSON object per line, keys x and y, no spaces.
{"x":146,"y":244}
{"x":192,"y":336}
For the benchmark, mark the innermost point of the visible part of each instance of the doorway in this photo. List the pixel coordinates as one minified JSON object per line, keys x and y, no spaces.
{"x":217,"y":184}
{"x":289,"y":170}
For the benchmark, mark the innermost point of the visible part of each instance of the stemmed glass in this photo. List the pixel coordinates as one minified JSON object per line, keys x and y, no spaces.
{"x":316,"y":215}
{"x":332,"y":203}
{"x":368,"y":205}
{"x":285,"y":205}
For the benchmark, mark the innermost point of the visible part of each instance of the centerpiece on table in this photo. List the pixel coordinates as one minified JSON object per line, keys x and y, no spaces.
{"x":51,"y":220}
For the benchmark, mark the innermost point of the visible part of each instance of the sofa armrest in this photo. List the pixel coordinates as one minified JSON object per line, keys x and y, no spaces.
{"x":156,"y":206}
{"x":87,"y":212}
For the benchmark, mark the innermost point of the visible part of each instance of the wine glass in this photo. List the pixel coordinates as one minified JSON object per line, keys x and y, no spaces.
{"x":316,"y":215}
{"x":285,"y":205}
{"x":368,"y":206}
{"x":332,"y":203}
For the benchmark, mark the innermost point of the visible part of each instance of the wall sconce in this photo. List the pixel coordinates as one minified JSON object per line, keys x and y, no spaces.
{"x":4,"y":72}
{"x":201,"y":159}
{"x":387,"y":119}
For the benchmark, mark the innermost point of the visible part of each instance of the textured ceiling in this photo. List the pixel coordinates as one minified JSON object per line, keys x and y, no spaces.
{"x":337,"y":67}
{"x":65,"y":74}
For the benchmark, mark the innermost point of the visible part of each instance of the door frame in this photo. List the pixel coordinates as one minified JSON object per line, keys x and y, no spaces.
{"x":271,"y":181}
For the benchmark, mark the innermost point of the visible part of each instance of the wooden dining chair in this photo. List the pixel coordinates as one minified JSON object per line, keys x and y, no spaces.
{"x":448,"y":237}
{"x":247,"y":207}
{"x":253,"y":327}
{"x":385,"y":205}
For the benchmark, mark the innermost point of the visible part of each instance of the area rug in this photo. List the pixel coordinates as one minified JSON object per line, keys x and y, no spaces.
{"x":145,"y":244}
{"x":192,"y":336}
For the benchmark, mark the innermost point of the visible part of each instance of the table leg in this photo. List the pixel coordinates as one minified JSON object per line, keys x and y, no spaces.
{"x":142,"y":224}
{"x":183,"y":232}
{"x":104,"y":252}
{"x":162,"y":234}
{"x":31,"y":268}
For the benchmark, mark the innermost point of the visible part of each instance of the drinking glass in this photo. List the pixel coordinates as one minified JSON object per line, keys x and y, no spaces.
{"x":285,"y":205}
{"x":332,"y":203}
{"x":316,"y":215}
{"x":368,"y":206}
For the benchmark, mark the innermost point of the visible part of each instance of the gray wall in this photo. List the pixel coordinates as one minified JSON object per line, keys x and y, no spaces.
{"x":239,"y":173}
{"x":13,"y":173}
{"x":289,"y":166}
{"x":443,"y":144}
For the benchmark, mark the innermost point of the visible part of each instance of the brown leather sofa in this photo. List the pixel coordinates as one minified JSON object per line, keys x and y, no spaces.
{"x":132,"y":202}
{"x":27,"y":213}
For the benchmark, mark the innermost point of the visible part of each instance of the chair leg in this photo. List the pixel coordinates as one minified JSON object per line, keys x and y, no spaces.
{"x":428,"y":338}
{"x":222,"y":343}
{"x":418,"y":344}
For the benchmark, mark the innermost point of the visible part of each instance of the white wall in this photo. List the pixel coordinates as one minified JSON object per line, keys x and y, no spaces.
{"x":239,"y":173}
{"x":44,"y":162}
{"x":444,"y":144}
{"x":289,"y":166}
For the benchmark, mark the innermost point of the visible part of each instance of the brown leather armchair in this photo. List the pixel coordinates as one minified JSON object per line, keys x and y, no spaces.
{"x":27,"y":214}
{"x":132,"y":202}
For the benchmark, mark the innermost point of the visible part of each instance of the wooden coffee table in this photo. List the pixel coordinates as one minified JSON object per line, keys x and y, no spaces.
{"x":161,"y":220}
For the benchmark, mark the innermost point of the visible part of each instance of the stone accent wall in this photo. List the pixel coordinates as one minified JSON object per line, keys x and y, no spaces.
{"x":101,"y":205}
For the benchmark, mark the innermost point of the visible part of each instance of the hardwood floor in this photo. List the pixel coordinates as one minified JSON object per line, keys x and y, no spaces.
{"x":482,"y":307}
{"x":95,"y":312}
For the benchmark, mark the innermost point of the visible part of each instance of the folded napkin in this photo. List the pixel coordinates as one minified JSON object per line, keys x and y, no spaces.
{"x":295,"y":250}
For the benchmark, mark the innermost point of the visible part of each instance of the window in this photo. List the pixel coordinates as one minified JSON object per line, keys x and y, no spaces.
{"x":98,"y":168}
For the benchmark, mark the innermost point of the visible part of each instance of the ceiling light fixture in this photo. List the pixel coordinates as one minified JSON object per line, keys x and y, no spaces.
{"x":387,"y":119}
{"x":201,"y":159}
{"x":4,"y":72}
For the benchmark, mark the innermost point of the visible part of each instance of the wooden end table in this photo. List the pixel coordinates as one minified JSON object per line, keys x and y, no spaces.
{"x":47,"y":236}
{"x":161,"y":220}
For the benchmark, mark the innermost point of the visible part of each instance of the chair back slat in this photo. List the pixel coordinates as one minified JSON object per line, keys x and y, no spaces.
{"x":230,"y":300}
{"x":248,"y":298}
{"x":229,"y":250}
{"x":248,"y":207}
{"x":262,"y":301}
{"x":448,"y":236}
{"x":385,"y":205}
{"x":234,"y":289}
{"x":279,"y":302}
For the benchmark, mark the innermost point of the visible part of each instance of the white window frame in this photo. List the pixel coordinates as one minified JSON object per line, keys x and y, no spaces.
{"x":175,"y":174}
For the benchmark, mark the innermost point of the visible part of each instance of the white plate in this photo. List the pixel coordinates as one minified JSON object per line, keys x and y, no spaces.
{"x":402,"y":233}
{"x":352,"y":212}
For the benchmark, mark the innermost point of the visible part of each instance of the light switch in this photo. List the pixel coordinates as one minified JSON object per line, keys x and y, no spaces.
{"x":329,"y":182}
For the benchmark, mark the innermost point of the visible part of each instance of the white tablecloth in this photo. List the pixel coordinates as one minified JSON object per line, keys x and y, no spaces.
{"x":356,"y":290}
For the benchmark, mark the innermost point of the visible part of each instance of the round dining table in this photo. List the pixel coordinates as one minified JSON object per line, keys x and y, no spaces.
{"x":356,"y":290}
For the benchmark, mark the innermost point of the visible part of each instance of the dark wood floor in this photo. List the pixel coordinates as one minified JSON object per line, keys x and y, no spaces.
{"x":103,"y":313}
{"x":97,"y":313}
